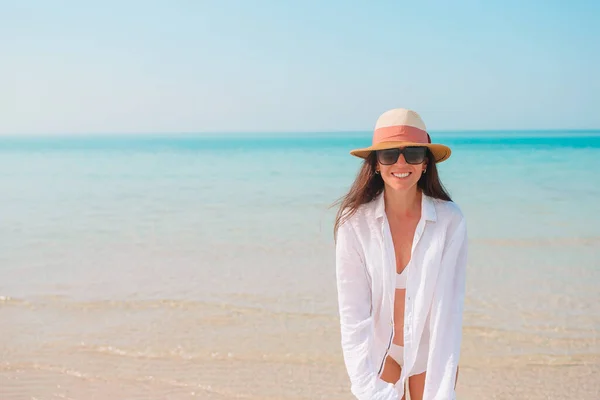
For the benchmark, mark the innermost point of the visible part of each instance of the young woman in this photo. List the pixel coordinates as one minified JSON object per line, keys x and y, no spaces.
{"x":401,"y":253}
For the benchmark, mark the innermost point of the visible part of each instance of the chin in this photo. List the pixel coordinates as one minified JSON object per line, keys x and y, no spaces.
{"x":402,"y":186}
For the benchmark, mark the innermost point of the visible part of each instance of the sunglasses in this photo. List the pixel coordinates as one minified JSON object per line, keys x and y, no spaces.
{"x":412,"y":155}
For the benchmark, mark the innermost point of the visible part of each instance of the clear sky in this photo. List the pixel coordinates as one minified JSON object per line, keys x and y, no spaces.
{"x":205,"y":66}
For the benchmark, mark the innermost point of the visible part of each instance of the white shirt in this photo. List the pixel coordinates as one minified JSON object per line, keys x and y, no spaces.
{"x":366,"y":273}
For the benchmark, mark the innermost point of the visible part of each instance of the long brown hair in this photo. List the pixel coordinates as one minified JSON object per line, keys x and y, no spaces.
{"x":368,"y":185}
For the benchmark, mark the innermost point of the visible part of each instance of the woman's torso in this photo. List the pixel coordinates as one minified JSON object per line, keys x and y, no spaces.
{"x":403,"y":232}
{"x":374,"y":239}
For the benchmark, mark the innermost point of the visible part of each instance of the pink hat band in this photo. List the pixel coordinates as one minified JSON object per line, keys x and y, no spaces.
{"x":400,"y":127}
{"x":400,"y":133}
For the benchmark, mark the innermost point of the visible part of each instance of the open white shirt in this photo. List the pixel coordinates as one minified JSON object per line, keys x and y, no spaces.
{"x":366,"y":272}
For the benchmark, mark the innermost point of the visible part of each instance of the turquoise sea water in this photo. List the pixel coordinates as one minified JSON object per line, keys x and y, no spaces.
{"x":69,"y":200}
{"x":66,"y":199}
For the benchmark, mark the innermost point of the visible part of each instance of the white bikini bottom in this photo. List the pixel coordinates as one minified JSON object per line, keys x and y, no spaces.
{"x":397,"y":353}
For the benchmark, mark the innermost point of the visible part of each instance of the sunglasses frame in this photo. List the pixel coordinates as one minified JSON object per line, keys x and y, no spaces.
{"x":401,"y":150}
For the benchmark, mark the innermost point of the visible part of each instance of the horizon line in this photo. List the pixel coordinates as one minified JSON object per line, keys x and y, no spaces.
{"x":250,"y":132}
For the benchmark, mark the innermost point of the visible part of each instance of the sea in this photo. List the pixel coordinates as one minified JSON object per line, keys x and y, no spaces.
{"x":201,"y":266}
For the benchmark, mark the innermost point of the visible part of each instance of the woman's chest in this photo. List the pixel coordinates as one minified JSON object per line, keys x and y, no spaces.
{"x":402,"y":233}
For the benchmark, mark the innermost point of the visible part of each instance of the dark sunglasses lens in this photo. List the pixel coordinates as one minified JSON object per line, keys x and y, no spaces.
{"x":388,"y":157}
{"x":415,"y":155}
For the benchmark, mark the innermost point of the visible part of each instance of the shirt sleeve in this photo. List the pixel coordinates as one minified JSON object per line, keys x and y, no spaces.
{"x":356,"y":320}
{"x":447,"y":318}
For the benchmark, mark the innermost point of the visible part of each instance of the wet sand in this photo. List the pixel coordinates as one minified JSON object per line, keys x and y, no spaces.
{"x":56,"y":348}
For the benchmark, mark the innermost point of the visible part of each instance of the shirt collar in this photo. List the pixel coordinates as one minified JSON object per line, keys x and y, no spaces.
{"x":427,"y":207}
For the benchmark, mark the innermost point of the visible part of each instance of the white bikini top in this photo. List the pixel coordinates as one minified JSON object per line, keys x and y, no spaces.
{"x":401,"y":278}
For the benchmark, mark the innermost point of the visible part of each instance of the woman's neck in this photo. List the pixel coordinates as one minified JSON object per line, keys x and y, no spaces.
{"x":402,"y":204}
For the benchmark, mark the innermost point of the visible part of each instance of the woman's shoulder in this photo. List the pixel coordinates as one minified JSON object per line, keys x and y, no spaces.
{"x":448,"y":210}
{"x":450,"y":219}
{"x":363,"y":215}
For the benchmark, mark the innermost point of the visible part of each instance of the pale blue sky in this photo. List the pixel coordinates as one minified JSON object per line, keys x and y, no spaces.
{"x":201,"y":66}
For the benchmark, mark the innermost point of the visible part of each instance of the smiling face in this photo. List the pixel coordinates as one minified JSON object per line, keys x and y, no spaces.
{"x":398,"y":174}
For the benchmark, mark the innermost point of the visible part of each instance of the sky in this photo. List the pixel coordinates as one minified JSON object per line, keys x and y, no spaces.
{"x":278,"y":66}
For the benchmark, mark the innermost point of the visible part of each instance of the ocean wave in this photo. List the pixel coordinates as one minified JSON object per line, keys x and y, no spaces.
{"x":540,"y":242}
{"x":12,"y":301}
{"x":179,"y":353}
{"x":21,"y":367}
{"x":533,"y":333}
{"x":528,"y":360}
{"x":63,"y":302}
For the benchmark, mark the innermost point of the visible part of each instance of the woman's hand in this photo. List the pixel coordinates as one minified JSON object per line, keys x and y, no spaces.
{"x":456,"y":380}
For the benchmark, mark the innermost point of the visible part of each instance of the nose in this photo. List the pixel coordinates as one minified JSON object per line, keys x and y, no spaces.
{"x":401,"y":160}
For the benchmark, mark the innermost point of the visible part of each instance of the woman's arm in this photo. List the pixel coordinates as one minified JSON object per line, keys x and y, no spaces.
{"x":354,"y":300}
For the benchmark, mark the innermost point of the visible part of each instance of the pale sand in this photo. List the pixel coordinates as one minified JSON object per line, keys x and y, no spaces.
{"x":195,"y":350}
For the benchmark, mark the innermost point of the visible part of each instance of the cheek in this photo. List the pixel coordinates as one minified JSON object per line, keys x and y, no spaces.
{"x":386,"y":172}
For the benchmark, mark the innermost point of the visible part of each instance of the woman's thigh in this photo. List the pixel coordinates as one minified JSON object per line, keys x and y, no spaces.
{"x":391,"y":370}
{"x":416,"y":386}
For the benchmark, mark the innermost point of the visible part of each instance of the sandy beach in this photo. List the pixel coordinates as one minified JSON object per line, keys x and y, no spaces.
{"x":188,"y":350}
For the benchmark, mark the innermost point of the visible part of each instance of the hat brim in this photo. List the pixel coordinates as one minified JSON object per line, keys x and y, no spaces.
{"x":439,"y":151}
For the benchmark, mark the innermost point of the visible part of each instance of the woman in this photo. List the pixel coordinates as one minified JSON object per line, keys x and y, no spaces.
{"x":401,"y":252}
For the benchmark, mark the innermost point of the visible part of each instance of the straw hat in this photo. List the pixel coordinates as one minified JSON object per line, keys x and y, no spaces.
{"x":399,"y":128}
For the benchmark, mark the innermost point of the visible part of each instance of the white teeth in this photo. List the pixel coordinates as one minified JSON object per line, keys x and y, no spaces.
{"x":404,"y":175}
